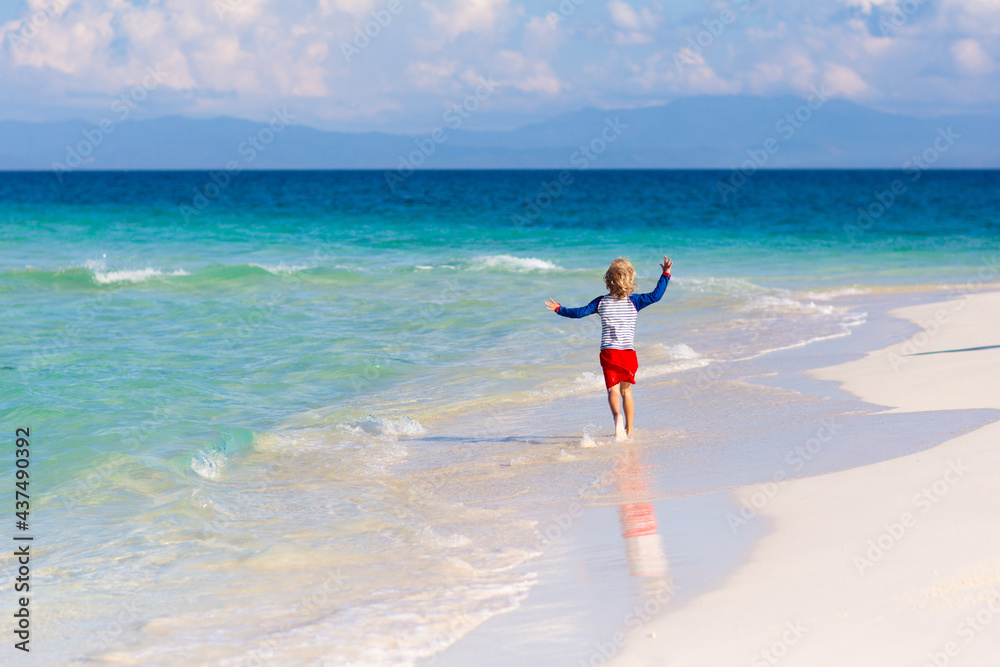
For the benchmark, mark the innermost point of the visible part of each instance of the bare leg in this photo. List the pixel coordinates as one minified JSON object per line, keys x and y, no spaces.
{"x":629,"y":405}
{"x":614,"y":397}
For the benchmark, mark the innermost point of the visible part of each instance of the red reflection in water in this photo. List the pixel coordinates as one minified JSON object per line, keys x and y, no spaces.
{"x":643,"y":547}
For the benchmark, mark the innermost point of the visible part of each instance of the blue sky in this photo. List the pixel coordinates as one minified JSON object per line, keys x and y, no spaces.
{"x":74,"y":58}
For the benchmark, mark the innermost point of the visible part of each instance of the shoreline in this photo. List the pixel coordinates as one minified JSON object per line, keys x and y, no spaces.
{"x":567,"y":618}
{"x":884,"y":563}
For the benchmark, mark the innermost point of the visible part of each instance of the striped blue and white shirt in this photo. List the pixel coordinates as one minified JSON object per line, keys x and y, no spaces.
{"x":618,"y":315}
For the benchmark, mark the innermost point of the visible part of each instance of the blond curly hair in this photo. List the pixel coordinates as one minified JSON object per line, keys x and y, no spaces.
{"x":620,"y":278}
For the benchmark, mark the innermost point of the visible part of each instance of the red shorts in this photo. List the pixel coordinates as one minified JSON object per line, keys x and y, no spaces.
{"x":619,"y":366}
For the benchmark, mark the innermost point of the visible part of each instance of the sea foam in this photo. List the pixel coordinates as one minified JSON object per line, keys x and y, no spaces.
{"x":105,"y":277}
{"x":681,"y":351}
{"x":511,"y":263}
{"x":391,"y":427}
{"x":209,"y":464}
{"x":282,"y":268}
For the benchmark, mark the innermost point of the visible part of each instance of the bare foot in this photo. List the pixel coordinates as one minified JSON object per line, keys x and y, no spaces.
{"x":620,"y":433}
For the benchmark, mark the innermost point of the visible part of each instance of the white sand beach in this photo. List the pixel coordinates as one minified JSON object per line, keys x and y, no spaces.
{"x":894,"y":563}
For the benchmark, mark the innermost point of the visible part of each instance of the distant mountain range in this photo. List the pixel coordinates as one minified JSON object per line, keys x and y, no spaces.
{"x":699,"y":132}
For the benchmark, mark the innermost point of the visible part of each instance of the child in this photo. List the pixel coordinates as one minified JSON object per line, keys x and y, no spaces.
{"x":618,"y":311}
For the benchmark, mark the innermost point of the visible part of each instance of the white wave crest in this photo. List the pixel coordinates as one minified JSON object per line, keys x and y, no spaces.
{"x":588,"y":380}
{"x":680,"y":351}
{"x":397,"y":427}
{"x":646,"y":372}
{"x":209,"y":464}
{"x":282,"y":267}
{"x":588,"y":440}
{"x":453,"y":541}
{"x":826,"y":295}
{"x":786,"y":304}
{"x":728,"y":286}
{"x":104,"y":277}
{"x":519,"y":460}
{"x":133,"y":275}
{"x":511,"y":263}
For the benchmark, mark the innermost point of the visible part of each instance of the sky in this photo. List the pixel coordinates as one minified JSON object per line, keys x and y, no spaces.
{"x":399,"y":65}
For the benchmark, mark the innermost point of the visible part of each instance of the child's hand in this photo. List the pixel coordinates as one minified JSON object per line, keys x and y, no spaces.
{"x":667,"y":263}
{"x":552,"y":304}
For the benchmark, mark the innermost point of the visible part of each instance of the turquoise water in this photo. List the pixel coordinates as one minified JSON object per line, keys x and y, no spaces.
{"x":253,"y":403}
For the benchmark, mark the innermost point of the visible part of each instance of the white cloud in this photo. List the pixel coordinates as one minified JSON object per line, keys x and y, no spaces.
{"x":178,"y":75}
{"x":530,"y":76}
{"x":623,"y":15}
{"x":631,"y":38}
{"x":431,"y":75}
{"x":107,"y":47}
{"x":843,"y":81}
{"x":66,"y":44}
{"x":866,"y":5}
{"x":766,"y":75}
{"x":232,"y":11}
{"x":682,"y":71}
{"x":979,"y":17}
{"x":541,"y":35}
{"x":635,"y":26}
{"x":356,"y":8}
{"x":971,"y":57}
{"x":485,"y":17}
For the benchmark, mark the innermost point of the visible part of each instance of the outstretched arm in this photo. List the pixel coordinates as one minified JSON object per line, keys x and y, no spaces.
{"x":575,"y":313}
{"x":640,"y":301}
